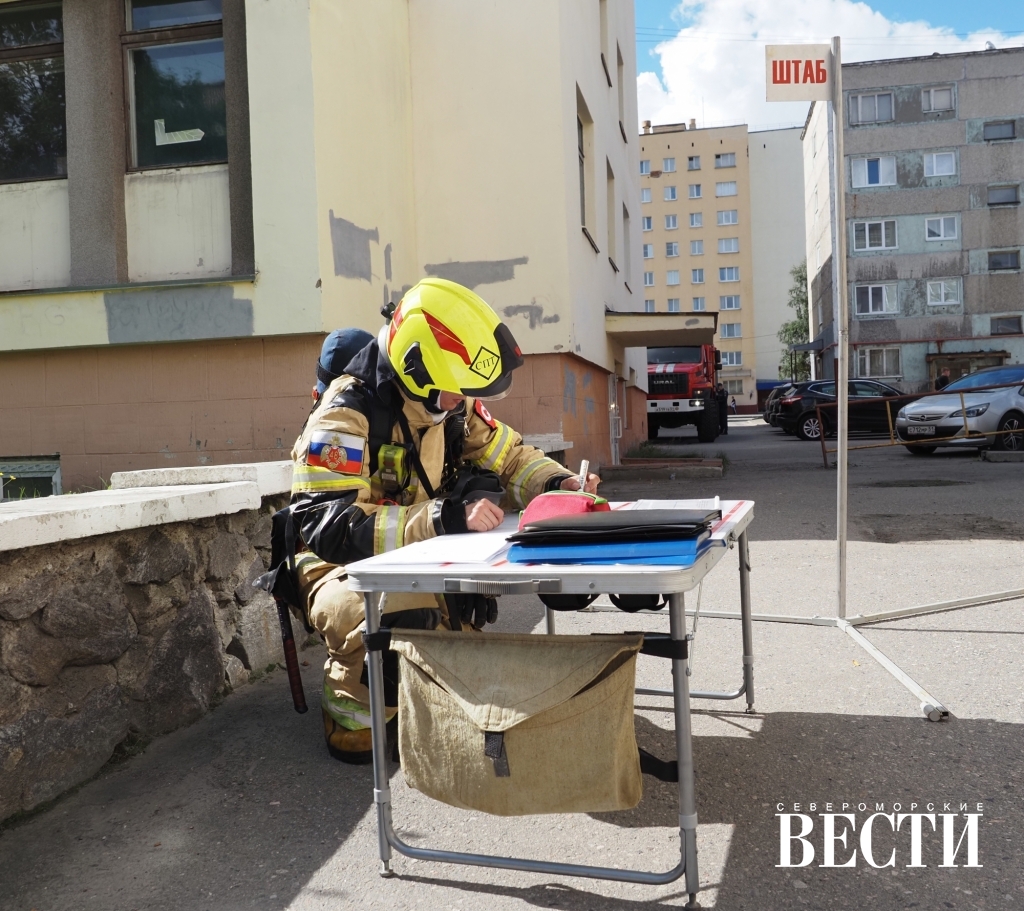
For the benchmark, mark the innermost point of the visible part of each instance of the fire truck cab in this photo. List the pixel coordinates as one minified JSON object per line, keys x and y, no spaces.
{"x":681,"y":389}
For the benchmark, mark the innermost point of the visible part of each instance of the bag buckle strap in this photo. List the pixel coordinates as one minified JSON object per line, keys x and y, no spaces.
{"x":379,"y":641}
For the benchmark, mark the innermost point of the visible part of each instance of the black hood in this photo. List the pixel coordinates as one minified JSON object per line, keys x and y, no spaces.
{"x":374,"y":372}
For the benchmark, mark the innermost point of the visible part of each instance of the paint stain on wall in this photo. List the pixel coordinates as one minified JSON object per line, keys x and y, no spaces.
{"x":351,"y":247}
{"x":387,"y":263}
{"x":176,"y":314}
{"x":533,"y":312}
{"x":569,"y":392}
{"x":478,"y":272}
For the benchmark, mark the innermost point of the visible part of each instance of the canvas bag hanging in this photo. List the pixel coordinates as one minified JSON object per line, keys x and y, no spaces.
{"x":513,"y":724}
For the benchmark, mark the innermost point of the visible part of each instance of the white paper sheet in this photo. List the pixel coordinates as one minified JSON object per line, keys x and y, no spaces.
{"x":475,"y":547}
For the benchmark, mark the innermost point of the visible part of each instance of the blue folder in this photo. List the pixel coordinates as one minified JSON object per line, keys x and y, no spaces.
{"x":677,"y":552}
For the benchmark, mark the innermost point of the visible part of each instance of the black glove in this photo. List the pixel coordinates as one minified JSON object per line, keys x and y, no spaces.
{"x":416,"y":618}
{"x":474,"y":610}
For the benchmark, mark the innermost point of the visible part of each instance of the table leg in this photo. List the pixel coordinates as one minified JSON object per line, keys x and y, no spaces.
{"x":549,"y":616}
{"x":684,"y":752}
{"x":378,"y":725}
{"x":746,"y":622}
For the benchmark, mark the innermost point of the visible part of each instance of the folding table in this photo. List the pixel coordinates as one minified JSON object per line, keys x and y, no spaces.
{"x":475,"y":563}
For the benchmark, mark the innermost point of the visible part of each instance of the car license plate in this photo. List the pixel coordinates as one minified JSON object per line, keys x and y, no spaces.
{"x":923,"y":430}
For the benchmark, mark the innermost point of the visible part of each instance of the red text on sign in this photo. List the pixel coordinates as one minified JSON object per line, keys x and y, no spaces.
{"x":785,"y":72}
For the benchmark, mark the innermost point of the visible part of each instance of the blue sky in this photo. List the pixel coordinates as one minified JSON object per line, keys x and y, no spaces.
{"x":704,"y":58}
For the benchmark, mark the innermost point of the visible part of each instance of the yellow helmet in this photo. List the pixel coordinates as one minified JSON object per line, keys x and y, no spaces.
{"x":444,"y":337}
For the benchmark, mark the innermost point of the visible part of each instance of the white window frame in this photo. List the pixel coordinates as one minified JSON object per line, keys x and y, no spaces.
{"x":648,"y":251}
{"x":730,"y":330}
{"x":889,"y":300}
{"x":699,"y":305}
{"x":866,"y":226}
{"x":673,"y":305}
{"x":648,"y":279}
{"x":886,"y":172}
{"x":696,"y":219}
{"x":942,"y":222}
{"x":645,"y":194}
{"x":931,"y":162}
{"x":649,"y":305}
{"x":670,"y":194}
{"x":888,"y":351}
{"x":668,"y":166}
{"x":696,"y":248}
{"x":726,"y":273}
{"x":696,"y":276}
{"x":729,"y":302}
{"x":672,"y":277}
{"x":722,"y":188}
{"x":730,"y":387}
{"x":671,"y":222}
{"x":693,"y":191}
{"x":857,"y":103}
{"x":671,"y":248}
{"x":732,"y":358}
{"x":645,"y":166}
{"x":728,"y":217}
{"x":647,"y":223}
{"x":722,"y":157}
{"x":728,"y":245}
{"x":947,"y":290}
{"x":928,"y":99}
{"x":693,"y":163}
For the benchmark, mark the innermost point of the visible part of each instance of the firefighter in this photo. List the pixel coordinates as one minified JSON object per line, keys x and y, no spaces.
{"x":399,"y":449}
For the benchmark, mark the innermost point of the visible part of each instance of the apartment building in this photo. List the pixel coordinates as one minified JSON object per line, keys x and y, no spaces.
{"x":193,"y":192}
{"x":933,"y":167}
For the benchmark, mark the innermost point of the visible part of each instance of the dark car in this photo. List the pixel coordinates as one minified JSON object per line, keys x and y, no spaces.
{"x":797,"y":412}
{"x":772,"y":404}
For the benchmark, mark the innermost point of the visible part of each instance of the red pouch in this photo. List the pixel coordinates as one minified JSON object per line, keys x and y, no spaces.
{"x":561,"y":503}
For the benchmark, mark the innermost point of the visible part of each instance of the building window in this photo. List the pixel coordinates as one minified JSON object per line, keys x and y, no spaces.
{"x":645,"y":166}
{"x":729,"y":274}
{"x":878,"y":362}
{"x":648,"y":251}
{"x":673,"y":305}
{"x":1002,"y":260}
{"x":1007,"y":195}
{"x":672,"y":277}
{"x":696,"y":248}
{"x":725,"y":160}
{"x":729,"y":217}
{"x":729,"y":302}
{"x":694,"y":191}
{"x":32,"y":476}
{"x":733,"y":387}
{"x":874,"y":235}
{"x":732,"y":358}
{"x":648,"y":279}
{"x":672,"y":248}
{"x":698,"y":304}
{"x":696,"y":219}
{"x":1005,"y":325}
{"x":176,"y":77}
{"x":581,"y":145}
{"x":945,"y":291}
{"x":939,"y":164}
{"x":668,"y":165}
{"x":873,"y":172}
{"x":725,"y":188}
{"x":670,"y":194}
{"x":871,"y":108}
{"x":872,"y":299}
{"x":730,"y":330}
{"x":645,"y":194}
{"x":999,"y":129}
{"x":942,"y":228}
{"x":671,"y":222}
{"x":693,"y":163}
{"x":728,"y":245}
{"x":937,"y":100}
{"x":647,"y":222}
{"x":648,"y":306}
{"x":33,"y":143}
{"x":696,"y":276}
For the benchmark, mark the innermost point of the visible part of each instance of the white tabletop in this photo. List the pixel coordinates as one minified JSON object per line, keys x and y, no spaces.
{"x":433,"y":565}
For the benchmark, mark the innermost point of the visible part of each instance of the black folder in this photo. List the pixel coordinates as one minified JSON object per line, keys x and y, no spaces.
{"x":619,"y":526}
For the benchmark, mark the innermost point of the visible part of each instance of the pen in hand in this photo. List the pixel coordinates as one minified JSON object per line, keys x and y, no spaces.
{"x":584,"y":471}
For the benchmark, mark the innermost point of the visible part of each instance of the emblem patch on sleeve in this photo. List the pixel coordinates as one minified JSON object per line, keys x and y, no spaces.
{"x":340,"y":452}
{"x":485,"y":415}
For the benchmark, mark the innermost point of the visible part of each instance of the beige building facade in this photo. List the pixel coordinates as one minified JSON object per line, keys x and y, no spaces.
{"x":165,"y":283}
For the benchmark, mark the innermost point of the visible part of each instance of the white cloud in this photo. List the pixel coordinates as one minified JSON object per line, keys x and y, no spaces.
{"x":714,"y":68}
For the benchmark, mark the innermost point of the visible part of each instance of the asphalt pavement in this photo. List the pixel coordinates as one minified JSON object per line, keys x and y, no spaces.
{"x":245,"y":810}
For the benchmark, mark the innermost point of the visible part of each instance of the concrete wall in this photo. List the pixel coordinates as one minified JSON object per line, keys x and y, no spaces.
{"x":778,"y":234}
{"x":179,"y":223}
{"x":35,"y":248}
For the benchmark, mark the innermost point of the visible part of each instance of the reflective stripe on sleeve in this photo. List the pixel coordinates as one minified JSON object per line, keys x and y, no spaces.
{"x":496,"y":452}
{"x":389,"y":531}
{"x":311,"y":479}
{"x":518,"y":485}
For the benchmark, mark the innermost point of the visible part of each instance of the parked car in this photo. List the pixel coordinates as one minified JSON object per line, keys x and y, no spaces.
{"x":797,"y":413}
{"x":942,"y":418}
{"x":771,"y":404}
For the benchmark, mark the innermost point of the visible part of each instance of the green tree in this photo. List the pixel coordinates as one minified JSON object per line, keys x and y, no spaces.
{"x":796,"y":365}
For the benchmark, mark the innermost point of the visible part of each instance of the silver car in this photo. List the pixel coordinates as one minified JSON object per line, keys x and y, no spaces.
{"x":940,"y":420}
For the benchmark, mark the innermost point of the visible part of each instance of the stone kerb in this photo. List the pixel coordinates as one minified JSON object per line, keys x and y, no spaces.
{"x":124,"y":614}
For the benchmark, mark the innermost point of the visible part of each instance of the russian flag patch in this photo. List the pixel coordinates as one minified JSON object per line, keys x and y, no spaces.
{"x":340,"y":452}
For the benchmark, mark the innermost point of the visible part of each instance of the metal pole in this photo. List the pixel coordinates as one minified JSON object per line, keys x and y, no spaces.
{"x":381,"y":787}
{"x":843,"y":322}
{"x":747,"y":624}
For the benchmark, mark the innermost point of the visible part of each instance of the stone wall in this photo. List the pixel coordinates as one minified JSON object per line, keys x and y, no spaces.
{"x":119,"y":637}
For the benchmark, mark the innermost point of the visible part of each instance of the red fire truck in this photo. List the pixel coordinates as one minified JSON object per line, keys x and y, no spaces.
{"x":681,"y":389}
